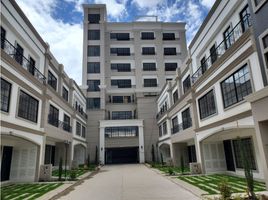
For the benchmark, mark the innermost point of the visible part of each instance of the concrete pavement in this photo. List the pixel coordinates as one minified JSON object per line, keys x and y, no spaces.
{"x":128,"y":182}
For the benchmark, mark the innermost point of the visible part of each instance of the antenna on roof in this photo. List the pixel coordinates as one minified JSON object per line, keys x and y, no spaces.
{"x":146,"y":18}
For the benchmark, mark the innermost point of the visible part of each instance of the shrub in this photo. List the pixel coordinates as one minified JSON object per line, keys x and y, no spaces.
{"x":225,"y":189}
{"x":60,"y":169}
{"x":182,"y":165}
{"x":170,"y":171}
{"x":73,"y":174}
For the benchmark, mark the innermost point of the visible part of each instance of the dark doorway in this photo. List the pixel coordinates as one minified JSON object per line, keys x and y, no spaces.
{"x":6,"y":163}
{"x":191,"y":153}
{"x":229,"y":155}
{"x":50,"y":155}
{"x":121,"y":155}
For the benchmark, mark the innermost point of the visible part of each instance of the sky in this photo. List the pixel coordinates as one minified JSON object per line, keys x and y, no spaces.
{"x":60,"y":22}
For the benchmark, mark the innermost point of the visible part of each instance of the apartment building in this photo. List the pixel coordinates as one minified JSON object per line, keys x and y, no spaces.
{"x":42,"y":109}
{"x":222,"y":71}
{"x":125,"y":66}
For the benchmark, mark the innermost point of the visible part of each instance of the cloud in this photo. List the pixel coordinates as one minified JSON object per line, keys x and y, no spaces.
{"x":65,"y":39}
{"x":147,"y":3}
{"x":207,"y":3}
{"x":115,"y":9}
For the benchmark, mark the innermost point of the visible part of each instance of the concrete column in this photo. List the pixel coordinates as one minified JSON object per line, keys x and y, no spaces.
{"x":168,"y":126}
{"x":171,"y":152}
{"x":141,"y":144}
{"x":198,"y":148}
{"x":102,"y":146}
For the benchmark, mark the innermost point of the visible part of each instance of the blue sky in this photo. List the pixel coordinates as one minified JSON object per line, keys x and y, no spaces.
{"x":59,"y":22}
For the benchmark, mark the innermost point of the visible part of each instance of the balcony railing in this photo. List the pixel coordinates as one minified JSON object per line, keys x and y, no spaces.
{"x":60,"y":124}
{"x":182,"y":126}
{"x":161,"y":112}
{"x":230,"y":39}
{"x":24,"y":62}
{"x":79,"y":110}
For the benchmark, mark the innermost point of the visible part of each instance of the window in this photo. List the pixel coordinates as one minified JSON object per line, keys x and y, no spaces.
{"x":175,"y":125}
{"x":168,"y":36}
{"x":186,"y":84}
{"x":121,"y":67}
{"x":122,"y":115}
{"x":152,"y":82}
{"x":203,"y":65}
{"x":186,"y":119}
{"x":93,"y":103}
{"x":119,"y":36}
{"x":5,"y":95}
{"x":3,"y":37}
{"x":121,"y":99}
{"x":53,"y":117}
{"x":164,"y":128}
{"x":93,"y":34}
{"x":65,"y":93}
{"x":121,"y":83}
{"x":28,"y":107}
{"x":124,"y":131}
{"x":52,"y":80}
{"x":175,"y":96}
{"x":265,"y":41}
{"x":213,"y":54}
{"x":170,"y":51}
{"x":66,"y":124}
{"x":83,"y":131}
{"x":171,"y":66}
{"x":247,"y":145}
{"x":93,"y":85}
{"x":148,"y":51}
{"x":236,"y":87}
{"x":31,"y":66}
{"x":93,"y":67}
{"x":120,"y":51}
{"x":228,"y":38}
{"x":149,"y":67}
{"x":94,"y":18}
{"x":93,"y":51}
{"x":78,"y":128}
{"x":160,"y":130}
{"x":19,"y":54}
{"x":244,"y":17}
{"x":147,"y":35}
{"x":207,"y":105}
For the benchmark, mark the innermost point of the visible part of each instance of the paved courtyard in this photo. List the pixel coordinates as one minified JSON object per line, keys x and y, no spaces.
{"x":129,"y":182}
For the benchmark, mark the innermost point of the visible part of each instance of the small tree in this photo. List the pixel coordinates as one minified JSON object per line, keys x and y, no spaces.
{"x":224,"y":189}
{"x":182,"y":164}
{"x":96,"y":156}
{"x":153,"y":154}
{"x":161,"y":159}
{"x":60,"y":169}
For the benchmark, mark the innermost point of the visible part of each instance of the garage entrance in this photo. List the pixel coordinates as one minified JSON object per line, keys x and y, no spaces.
{"x":122,"y":155}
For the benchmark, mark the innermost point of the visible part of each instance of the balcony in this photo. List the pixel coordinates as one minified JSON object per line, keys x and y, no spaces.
{"x":80,"y":111}
{"x":21,"y":60}
{"x":182,"y":126}
{"x":59,"y":124}
{"x":230,"y":39}
{"x":162,"y":111}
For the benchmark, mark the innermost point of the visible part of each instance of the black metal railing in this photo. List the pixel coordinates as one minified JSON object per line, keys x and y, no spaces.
{"x":19,"y":58}
{"x":162,"y":111}
{"x":231,"y":38}
{"x":80,"y":110}
{"x":60,"y":124}
{"x":182,"y":126}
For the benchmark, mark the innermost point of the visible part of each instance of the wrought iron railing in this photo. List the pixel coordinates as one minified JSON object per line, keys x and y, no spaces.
{"x":182,"y":126}
{"x":24,"y":62}
{"x":60,"y":124}
{"x":231,"y":38}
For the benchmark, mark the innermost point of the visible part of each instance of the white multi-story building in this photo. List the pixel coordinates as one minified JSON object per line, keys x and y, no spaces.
{"x":125,"y":66}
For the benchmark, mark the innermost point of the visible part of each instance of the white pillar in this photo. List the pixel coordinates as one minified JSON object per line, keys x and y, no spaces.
{"x":141,"y":144}
{"x":102,"y":146}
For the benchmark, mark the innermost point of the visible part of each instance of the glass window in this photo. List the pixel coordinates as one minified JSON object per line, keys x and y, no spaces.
{"x":228,"y":36}
{"x":121,"y":99}
{"x":203,"y":64}
{"x":171,"y":66}
{"x":93,"y":51}
{"x":244,"y":17}
{"x":170,"y":51}
{"x":148,"y":51}
{"x":236,"y":87}
{"x":53,"y":117}
{"x":93,"y":34}
{"x":207,"y":105}
{"x":19,"y":54}
{"x":152,"y":82}
{"x":5,"y":95}
{"x":83,"y":131}
{"x":28,"y":107}
{"x":213,"y":53}
{"x":175,"y":96}
{"x":122,"y":115}
{"x":120,"y":51}
{"x":94,"y":18}
{"x":78,"y":128}
{"x":147,"y":35}
{"x":31,"y":66}
{"x":52,"y":80}
{"x":160,"y":130}
{"x":265,"y":41}
{"x":65,"y":93}
{"x":93,"y":103}
{"x":121,"y":83}
{"x":175,"y":122}
{"x":186,"y":84}
{"x":119,"y":36}
{"x":168,"y":36}
{"x":124,"y":131}
{"x":93,"y":67}
{"x":3,"y":37}
{"x":121,"y":67}
{"x":149,"y":67}
{"x":93,"y":85}
{"x":164,"y":128}
{"x":245,"y":145}
{"x":66,"y":124}
{"x":186,"y":119}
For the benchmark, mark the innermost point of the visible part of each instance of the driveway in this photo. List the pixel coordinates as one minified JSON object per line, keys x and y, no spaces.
{"x":128,"y":182}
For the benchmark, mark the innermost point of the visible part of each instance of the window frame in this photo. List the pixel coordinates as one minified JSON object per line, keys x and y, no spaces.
{"x":93,"y":34}
{"x":171,"y":66}
{"x":151,"y":82}
{"x":149,"y":66}
{"x":94,"y":87}
{"x":201,"y":117}
{"x":186,"y":84}
{"x":51,"y":82}
{"x":93,"y":51}
{"x":65,"y":93}
{"x":9,"y":94}
{"x":94,"y":21}
{"x":93,"y":67}
{"x":145,"y":35}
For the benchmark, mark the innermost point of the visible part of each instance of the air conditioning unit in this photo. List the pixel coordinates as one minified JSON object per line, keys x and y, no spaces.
{"x":195,"y":168}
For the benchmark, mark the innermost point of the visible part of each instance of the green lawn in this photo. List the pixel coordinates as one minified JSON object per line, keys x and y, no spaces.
{"x":209,"y":183}
{"x":79,"y":171}
{"x":29,"y":191}
{"x":166,"y":169}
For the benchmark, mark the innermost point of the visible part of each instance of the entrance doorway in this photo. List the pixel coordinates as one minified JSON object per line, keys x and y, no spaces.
{"x":6,"y":162}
